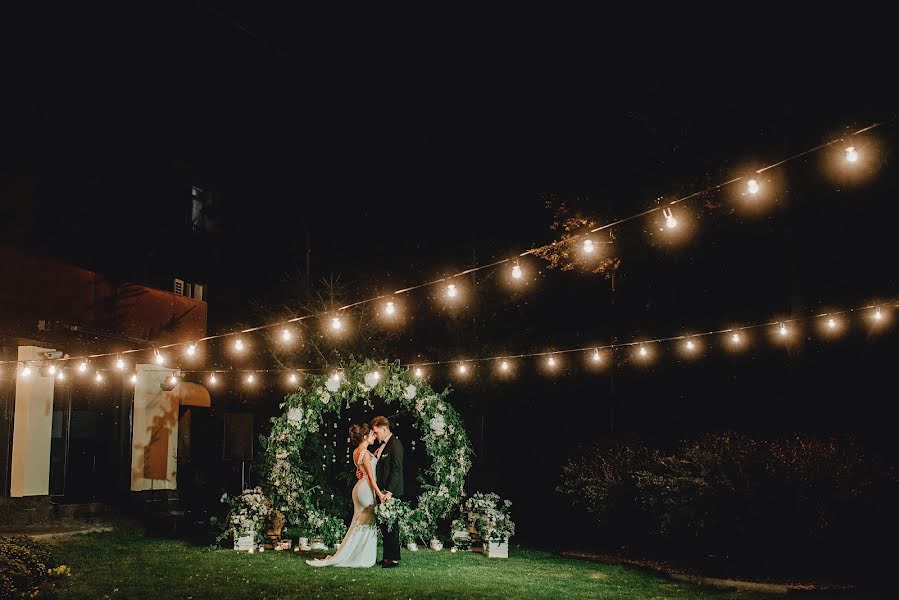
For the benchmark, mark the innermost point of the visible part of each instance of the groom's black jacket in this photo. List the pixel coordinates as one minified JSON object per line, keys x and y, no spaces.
{"x":390,"y":467}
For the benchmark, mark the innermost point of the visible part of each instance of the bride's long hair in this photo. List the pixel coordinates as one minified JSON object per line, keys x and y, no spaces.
{"x":358,"y":433}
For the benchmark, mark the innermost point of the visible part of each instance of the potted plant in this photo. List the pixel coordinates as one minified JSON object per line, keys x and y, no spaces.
{"x":248,"y":515}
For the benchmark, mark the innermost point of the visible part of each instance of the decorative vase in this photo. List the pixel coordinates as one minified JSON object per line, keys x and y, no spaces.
{"x":318,"y":544}
{"x":412,"y":547}
{"x":436,"y":544}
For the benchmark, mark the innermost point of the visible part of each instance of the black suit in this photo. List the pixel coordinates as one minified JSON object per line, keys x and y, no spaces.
{"x":390,"y":479}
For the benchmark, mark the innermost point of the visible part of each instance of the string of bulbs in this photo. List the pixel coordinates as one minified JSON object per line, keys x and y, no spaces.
{"x":452,"y":292}
{"x":832,"y":323}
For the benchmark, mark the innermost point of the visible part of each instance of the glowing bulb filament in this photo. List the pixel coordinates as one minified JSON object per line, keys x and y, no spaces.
{"x":643,"y":351}
{"x":82,"y":367}
{"x":293,"y":378}
{"x":462,"y":368}
{"x":159,"y":358}
{"x":120,"y":364}
{"x":212,"y":379}
{"x":191,"y":350}
{"x":516,"y":272}
{"x":336,"y":324}
{"x":251,"y":378}
{"x":878,"y":316}
{"x":588,"y":246}
{"x":551,"y":361}
{"x":238,"y":345}
{"x":504,"y":366}
{"x":52,"y":370}
{"x":831,"y":323}
{"x":596,"y":356}
{"x":390,"y":308}
{"x":286,"y":335}
{"x":752,"y":186}
{"x":451,"y":290}
{"x":851,"y":154}
{"x":690,"y":345}
{"x":783,"y":330}
{"x":418,"y":373}
{"x":735,"y":338}
{"x":670,"y":221}
{"x":26,"y":371}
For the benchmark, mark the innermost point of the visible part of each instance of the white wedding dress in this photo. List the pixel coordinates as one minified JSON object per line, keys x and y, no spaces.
{"x":359,"y":547}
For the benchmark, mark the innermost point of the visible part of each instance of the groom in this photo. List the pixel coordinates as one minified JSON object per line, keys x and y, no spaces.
{"x":390,"y":479}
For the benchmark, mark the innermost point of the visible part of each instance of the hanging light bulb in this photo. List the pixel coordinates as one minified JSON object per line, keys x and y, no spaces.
{"x":26,"y":371}
{"x":292,"y":378}
{"x":463,"y":368}
{"x":389,"y":308}
{"x":286,"y":335}
{"x":504,"y":365}
{"x":851,"y":154}
{"x":670,"y":221}
{"x":336,"y":324}
{"x":516,"y":272}
{"x":133,"y":378}
{"x":831,"y":323}
{"x":191,"y":350}
{"x":783,"y":331}
{"x":82,"y":366}
{"x":51,"y":370}
{"x":335,"y":376}
{"x":239,"y":345}
{"x":551,"y":361}
{"x":212,"y":379}
{"x":690,"y":345}
{"x":251,"y":378}
{"x":596,"y":356}
{"x":752,"y":186}
{"x":451,"y":291}
{"x":878,"y":316}
{"x":418,"y":372}
{"x":60,"y":375}
{"x":643,"y":351}
{"x":120,"y":364}
{"x":736,"y":338}
{"x":588,"y":246}
{"x":99,"y":377}
{"x":173,"y":381}
{"x":158,"y":357}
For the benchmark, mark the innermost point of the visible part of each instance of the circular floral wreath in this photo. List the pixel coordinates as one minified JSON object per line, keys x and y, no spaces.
{"x":446,"y":442}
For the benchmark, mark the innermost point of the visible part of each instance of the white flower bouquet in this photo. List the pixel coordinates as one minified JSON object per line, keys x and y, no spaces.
{"x":490,"y":517}
{"x":249,"y":514}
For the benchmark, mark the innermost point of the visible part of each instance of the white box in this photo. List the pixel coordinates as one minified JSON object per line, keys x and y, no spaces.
{"x":244,"y":543}
{"x":497,"y":548}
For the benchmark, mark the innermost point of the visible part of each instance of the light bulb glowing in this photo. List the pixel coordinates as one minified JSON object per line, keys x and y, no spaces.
{"x":239,"y":345}
{"x":588,"y":246}
{"x":596,"y":356}
{"x":851,"y":154}
{"x":51,"y":369}
{"x":191,"y":350}
{"x":451,"y":291}
{"x":504,"y":365}
{"x":61,"y":376}
{"x":82,"y":367}
{"x":878,"y":316}
{"x":831,"y":323}
{"x":783,"y":331}
{"x":173,"y":380}
{"x":212,"y":379}
{"x":390,"y":308}
{"x":26,"y":371}
{"x":99,"y":377}
{"x":670,"y":221}
{"x":516,"y":272}
{"x":251,"y":378}
{"x":335,"y":376}
{"x":292,"y":378}
{"x":120,"y":364}
{"x":643,"y":351}
{"x":463,"y":368}
{"x":336,"y":324}
{"x":419,"y":373}
{"x":133,"y":379}
{"x":286,"y":335}
{"x":736,"y":338}
{"x":551,"y":361}
{"x":690,"y":345}
{"x":752,"y":186}
{"x":159,"y":358}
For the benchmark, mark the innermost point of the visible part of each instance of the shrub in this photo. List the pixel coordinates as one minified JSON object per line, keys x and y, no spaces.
{"x":24,"y":566}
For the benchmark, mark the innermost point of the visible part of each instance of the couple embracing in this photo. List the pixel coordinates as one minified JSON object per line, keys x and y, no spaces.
{"x":380,"y":475}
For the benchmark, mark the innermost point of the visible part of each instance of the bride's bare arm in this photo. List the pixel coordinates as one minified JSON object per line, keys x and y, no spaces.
{"x":366,"y":465}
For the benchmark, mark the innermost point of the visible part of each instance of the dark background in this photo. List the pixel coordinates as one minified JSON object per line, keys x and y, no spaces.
{"x":401,"y":154}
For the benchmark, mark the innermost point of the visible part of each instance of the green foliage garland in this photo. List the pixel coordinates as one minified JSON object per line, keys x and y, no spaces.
{"x":293,"y":488}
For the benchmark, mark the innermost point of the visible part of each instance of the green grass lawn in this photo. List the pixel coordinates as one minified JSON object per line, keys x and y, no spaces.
{"x":125,"y":564}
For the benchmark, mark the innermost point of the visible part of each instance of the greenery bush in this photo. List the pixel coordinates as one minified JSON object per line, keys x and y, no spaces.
{"x":801,"y":501}
{"x":25,"y":565}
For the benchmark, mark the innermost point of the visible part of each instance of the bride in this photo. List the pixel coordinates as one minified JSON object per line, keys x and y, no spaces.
{"x":359,"y":547}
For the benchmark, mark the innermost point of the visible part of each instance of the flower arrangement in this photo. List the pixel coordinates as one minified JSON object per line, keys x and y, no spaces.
{"x":489,"y":516}
{"x":248,"y":513}
{"x":391,"y":512}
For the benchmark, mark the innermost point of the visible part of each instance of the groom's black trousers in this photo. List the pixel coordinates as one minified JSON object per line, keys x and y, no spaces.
{"x":391,"y":541}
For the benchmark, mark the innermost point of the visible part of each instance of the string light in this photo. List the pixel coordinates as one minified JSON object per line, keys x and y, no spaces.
{"x":212,"y":379}
{"x":516,"y":272}
{"x":82,"y":366}
{"x":588,"y":246}
{"x":286,"y":335}
{"x":159,"y":358}
{"x":596,"y":357}
{"x":60,"y":376}
{"x":133,"y":378}
{"x":670,"y":221}
{"x":292,"y":378}
{"x":851,"y":154}
{"x":736,"y":339}
{"x":191,"y":350}
{"x":239,"y":345}
{"x":173,"y":381}
{"x":783,"y":331}
{"x":336,"y":324}
{"x":504,"y":365}
{"x":51,"y":370}
{"x":26,"y":371}
{"x":389,"y":308}
{"x":551,"y":362}
{"x":690,"y":345}
{"x":99,"y":377}
{"x":463,"y":368}
{"x":419,"y":373}
{"x":642,"y":351}
{"x":752,"y":186}
{"x":251,"y":378}
{"x":120,"y":364}
{"x":451,"y":291}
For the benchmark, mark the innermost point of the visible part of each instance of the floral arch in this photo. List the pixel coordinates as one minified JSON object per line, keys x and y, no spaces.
{"x":290,"y":480}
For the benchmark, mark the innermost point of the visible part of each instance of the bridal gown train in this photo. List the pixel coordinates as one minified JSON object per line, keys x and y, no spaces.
{"x":359,"y":547}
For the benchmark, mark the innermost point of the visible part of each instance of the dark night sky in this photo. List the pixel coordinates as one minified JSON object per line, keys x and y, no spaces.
{"x":407,"y":155}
